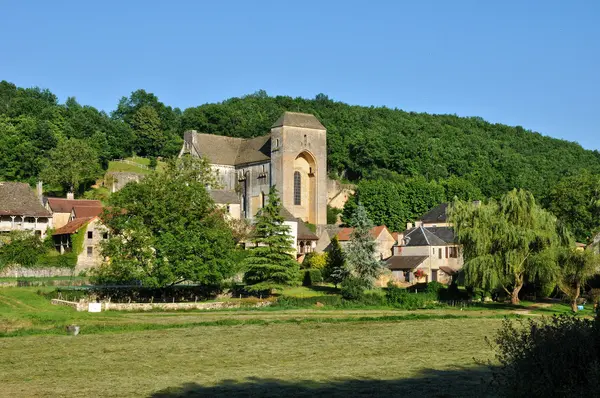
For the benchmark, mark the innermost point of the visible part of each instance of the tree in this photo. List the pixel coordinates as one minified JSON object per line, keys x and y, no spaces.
{"x":166,"y":230}
{"x":504,"y":241}
{"x":576,"y":268}
{"x":149,"y":137}
{"x":335,"y":268}
{"x":270,"y":264}
{"x":575,"y":200}
{"x":362,"y":249}
{"x":72,"y":163}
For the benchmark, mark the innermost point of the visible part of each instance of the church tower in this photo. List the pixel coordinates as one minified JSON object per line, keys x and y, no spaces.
{"x":299,"y":165}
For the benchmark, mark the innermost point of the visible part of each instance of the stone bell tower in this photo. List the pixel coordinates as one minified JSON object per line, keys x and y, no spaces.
{"x":299,"y":165}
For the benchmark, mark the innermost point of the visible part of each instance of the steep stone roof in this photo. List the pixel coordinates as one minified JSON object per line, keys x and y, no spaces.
{"x":296,"y":119}
{"x":429,"y":236}
{"x":18,"y":199}
{"x":404,"y":262}
{"x":224,"y":197}
{"x":62,"y":205}
{"x":303,"y":233}
{"x":232,"y":151}
{"x":72,"y":226}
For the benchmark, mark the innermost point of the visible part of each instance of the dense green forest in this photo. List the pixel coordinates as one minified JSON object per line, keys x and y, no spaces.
{"x":443,"y":155}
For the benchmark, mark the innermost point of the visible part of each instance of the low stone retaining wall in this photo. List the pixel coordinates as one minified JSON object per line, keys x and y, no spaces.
{"x":107,"y":306}
{"x":21,"y":272}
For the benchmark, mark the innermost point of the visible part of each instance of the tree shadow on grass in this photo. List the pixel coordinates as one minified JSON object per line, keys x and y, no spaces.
{"x":462,"y":382}
{"x":324,"y":289}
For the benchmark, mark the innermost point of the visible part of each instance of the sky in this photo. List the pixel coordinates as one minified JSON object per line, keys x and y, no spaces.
{"x":533,"y":63}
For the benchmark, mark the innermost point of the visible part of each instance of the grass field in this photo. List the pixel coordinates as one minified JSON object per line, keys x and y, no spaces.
{"x":307,"y":352}
{"x":114,"y":166}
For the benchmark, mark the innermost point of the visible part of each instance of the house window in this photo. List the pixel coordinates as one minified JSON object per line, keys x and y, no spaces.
{"x":453,"y":252}
{"x":228,"y":209}
{"x":105,"y":235}
{"x":446,"y":252}
{"x":297,"y":188}
{"x":433,"y":250}
{"x":277,"y":143}
{"x":440,"y":253}
{"x":90,"y":234}
{"x":90,"y":251}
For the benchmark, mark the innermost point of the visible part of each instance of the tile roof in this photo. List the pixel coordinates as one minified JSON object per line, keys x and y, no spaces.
{"x":296,"y":119}
{"x":437,"y":214}
{"x":449,"y":270}
{"x":72,"y":226}
{"x":18,"y":199}
{"x":404,"y":262}
{"x":224,"y":197}
{"x":62,"y":205}
{"x":87,"y":211}
{"x":345,"y":233}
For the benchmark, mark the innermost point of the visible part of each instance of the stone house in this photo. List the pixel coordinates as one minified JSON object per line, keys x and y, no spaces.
{"x":428,"y":249}
{"x":93,"y":232}
{"x":62,"y":209}
{"x":116,"y":180}
{"x":21,"y":209}
{"x":383,"y":238}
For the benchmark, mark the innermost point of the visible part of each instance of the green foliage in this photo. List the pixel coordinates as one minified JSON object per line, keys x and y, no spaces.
{"x":22,"y":249}
{"x":362,"y":249}
{"x":401,"y":298}
{"x":72,"y":163}
{"x":505,"y":241}
{"x":336,"y":269}
{"x":551,"y":357}
{"x":312,"y":276}
{"x":353,"y":289}
{"x":576,"y":268}
{"x":315,"y":260}
{"x":166,"y":230}
{"x":575,"y":200}
{"x":332,"y":214}
{"x":270,"y":264}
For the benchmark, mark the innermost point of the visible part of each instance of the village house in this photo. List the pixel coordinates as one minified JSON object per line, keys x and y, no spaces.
{"x":62,"y":209}
{"x":383,"y":238}
{"x":21,"y":209}
{"x":92,"y":233}
{"x":427,"y":251}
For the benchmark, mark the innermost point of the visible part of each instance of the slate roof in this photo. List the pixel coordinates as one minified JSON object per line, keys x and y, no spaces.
{"x":297,"y":119}
{"x":18,"y":199}
{"x":303,"y":233}
{"x":437,"y":214}
{"x":72,"y":226}
{"x":224,"y":197}
{"x":404,"y":262}
{"x":429,"y":236}
{"x":345,"y":233}
{"x":232,"y":151}
{"x":62,"y":205}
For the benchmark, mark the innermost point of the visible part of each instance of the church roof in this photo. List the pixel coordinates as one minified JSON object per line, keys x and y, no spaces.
{"x":224,"y":197}
{"x":296,"y":119}
{"x":232,"y":150}
{"x":437,"y":214}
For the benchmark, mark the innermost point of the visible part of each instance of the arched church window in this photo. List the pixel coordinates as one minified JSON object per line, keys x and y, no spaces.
{"x":297,"y":188}
{"x":305,"y":139}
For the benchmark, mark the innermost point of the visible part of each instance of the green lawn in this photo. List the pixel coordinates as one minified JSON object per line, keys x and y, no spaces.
{"x":115,"y":166}
{"x":270,"y":352}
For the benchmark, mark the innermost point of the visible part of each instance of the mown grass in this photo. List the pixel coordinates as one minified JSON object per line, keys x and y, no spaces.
{"x":429,"y":357}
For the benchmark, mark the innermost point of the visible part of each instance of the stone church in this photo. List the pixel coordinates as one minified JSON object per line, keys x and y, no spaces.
{"x":293,"y":157}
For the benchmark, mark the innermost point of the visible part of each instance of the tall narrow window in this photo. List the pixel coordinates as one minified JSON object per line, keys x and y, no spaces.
{"x":297,"y":188}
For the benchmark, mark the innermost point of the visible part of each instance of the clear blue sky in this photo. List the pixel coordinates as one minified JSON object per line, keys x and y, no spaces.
{"x":534,"y":63}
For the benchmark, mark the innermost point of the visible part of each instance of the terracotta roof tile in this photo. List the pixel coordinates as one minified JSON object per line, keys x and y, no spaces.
{"x":87,"y":211}
{"x":62,"y":205}
{"x":346,"y":233}
{"x":73,"y":226}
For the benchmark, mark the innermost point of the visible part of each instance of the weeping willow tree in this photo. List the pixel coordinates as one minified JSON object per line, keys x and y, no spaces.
{"x":576,"y":268}
{"x":504,"y":241}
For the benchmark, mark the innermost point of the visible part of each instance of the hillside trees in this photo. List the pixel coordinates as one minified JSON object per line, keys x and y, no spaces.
{"x":504,"y":241}
{"x":270,"y":263}
{"x":166,"y":230}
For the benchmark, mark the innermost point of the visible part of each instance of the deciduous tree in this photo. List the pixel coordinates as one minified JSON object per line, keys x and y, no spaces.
{"x":576,"y":267}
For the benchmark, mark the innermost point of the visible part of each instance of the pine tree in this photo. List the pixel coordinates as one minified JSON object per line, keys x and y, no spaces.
{"x":361,"y":254}
{"x":270,"y":264}
{"x":335,"y":269}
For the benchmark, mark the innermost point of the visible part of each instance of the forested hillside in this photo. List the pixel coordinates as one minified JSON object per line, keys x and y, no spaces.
{"x":393,"y":151}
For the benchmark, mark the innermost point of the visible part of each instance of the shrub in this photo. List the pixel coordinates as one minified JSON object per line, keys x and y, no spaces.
{"x":312,"y":277}
{"x":352,"y":289}
{"x":401,"y":298}
{"x":556,"y":356}
{"x":305,"y":302}
{"x":434,"y":287}
{"x":315,"y":260}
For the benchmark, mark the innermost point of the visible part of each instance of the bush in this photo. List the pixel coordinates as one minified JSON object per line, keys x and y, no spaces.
{"x":401,"y":298}
{"x":312,"y":277}
{"x":305,"y":302}
{"x":553,"y":357}
{"x":434,"y":288}
{"x":352,"y":289}
{"x":315,"y":260}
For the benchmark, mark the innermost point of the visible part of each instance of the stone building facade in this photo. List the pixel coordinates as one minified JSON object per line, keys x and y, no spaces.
{"x":293,"y":157}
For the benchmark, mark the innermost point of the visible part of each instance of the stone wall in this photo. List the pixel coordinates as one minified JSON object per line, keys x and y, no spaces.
{"x":107,"y":306}
{"x":20,"y":272}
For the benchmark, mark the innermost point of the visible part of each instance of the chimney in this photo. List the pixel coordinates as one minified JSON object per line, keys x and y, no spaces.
{"x":39,"y":189}
{"x":70,"y":195}
{"x":409,"y":225}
